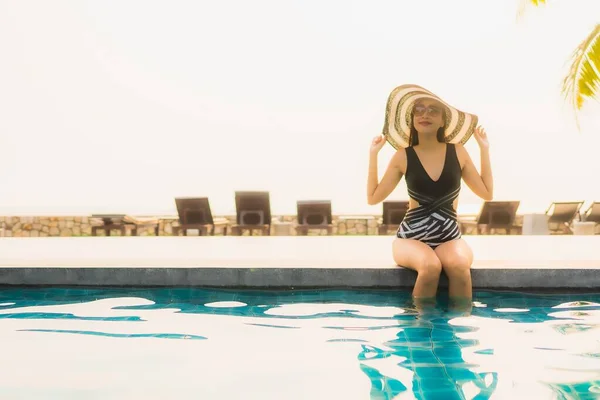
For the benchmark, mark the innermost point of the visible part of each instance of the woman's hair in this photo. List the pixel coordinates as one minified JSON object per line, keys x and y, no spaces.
{"x":413,"y":139}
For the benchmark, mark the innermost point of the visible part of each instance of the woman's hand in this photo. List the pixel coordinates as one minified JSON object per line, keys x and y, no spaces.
{"x":481,"y":138}
{"x":377,"y":143}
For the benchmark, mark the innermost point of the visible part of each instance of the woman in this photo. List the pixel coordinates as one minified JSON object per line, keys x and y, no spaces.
{"x":428,"y":135}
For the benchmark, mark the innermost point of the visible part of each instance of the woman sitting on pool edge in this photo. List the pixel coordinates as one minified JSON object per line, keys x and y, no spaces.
{"x":428,"y":135}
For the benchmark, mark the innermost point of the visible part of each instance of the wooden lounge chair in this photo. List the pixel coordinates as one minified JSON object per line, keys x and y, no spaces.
{"x":195,"y":213}
{"x":392,"y":215}
{"x":494,"y":216}
{"x":314,"y":214}
{"x":253,"y":213}
{"x":561,"y":215}
{"x":141,"y":222}
{"x":122,"y":222}
{"x":108,"y":223}
{"x":592,"y":214}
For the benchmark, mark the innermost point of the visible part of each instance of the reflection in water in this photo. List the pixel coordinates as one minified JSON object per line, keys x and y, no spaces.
{"x":458,"y":354}
{"x":427,"y":345}
{"x":338,"y":344}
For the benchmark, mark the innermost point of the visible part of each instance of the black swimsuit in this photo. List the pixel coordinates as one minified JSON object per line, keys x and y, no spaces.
{"x":434,"y":221}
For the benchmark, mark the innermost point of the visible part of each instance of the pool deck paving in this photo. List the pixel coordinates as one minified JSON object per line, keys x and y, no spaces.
{"x":502,"y":262}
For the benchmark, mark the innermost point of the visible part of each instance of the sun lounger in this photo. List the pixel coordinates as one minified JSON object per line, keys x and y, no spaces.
{"x":253,"y":213}
{"x":561,"y":215}
{"x":494,"y":216}
{"x":392,"y":215}
{"x":592,"y":214}
{"x":195,"y":213}
{"x":121,"y":222}
{"x":314,"y":214}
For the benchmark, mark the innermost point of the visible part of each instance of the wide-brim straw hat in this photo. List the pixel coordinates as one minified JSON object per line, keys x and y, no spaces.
{"x":459,"y":124}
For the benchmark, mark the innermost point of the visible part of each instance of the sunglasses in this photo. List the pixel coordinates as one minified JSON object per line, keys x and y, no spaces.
{"x":431,"y":110}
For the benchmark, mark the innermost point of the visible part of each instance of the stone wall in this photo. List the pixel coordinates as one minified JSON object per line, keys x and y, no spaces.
{"x":45,"y":226}
{"x":82,"y":226}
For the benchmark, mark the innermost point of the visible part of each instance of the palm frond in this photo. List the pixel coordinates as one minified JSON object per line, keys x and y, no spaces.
{"x":523,"y":4}
{"x":583,"y":80}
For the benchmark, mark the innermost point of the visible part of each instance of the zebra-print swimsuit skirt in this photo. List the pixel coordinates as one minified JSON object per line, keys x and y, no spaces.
{"x":432,"y":222}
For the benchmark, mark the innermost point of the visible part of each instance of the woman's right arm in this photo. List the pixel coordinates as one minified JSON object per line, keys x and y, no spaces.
{"x":379,"y":191}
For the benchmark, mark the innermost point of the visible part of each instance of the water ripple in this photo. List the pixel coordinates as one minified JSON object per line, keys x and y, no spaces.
{"x":358,"y":344}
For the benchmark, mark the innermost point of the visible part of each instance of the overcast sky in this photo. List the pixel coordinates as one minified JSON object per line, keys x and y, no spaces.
{"x":120,"y":106}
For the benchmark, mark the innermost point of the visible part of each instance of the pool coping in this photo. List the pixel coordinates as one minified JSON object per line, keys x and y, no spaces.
{"x":564,"y":278}
{"x":540,"y":262}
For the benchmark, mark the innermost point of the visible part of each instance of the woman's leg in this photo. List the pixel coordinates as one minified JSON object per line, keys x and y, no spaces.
{"x":420,"y":257}
{"x":457,"y":257}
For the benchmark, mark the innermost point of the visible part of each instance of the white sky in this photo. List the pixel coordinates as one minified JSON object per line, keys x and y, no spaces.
{"x":120,"y":106}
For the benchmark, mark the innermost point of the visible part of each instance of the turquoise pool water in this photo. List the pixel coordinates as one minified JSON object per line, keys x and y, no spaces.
{"x":113,"y":343}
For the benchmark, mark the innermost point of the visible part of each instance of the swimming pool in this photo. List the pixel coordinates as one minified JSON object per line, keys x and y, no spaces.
{"x":72,"y":343}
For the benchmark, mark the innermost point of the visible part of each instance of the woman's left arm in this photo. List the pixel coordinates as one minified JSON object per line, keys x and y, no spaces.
{"x":481,"y":184}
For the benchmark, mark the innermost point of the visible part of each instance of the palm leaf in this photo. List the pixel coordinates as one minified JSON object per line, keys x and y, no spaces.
{"x":583,"y":80}
{"x":523,"y":4}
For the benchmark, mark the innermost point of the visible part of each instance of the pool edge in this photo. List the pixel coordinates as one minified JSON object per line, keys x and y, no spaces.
{"x":292,"y":277}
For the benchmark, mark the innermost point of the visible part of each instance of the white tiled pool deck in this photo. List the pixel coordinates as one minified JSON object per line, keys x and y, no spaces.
{"x":311,"y":261}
